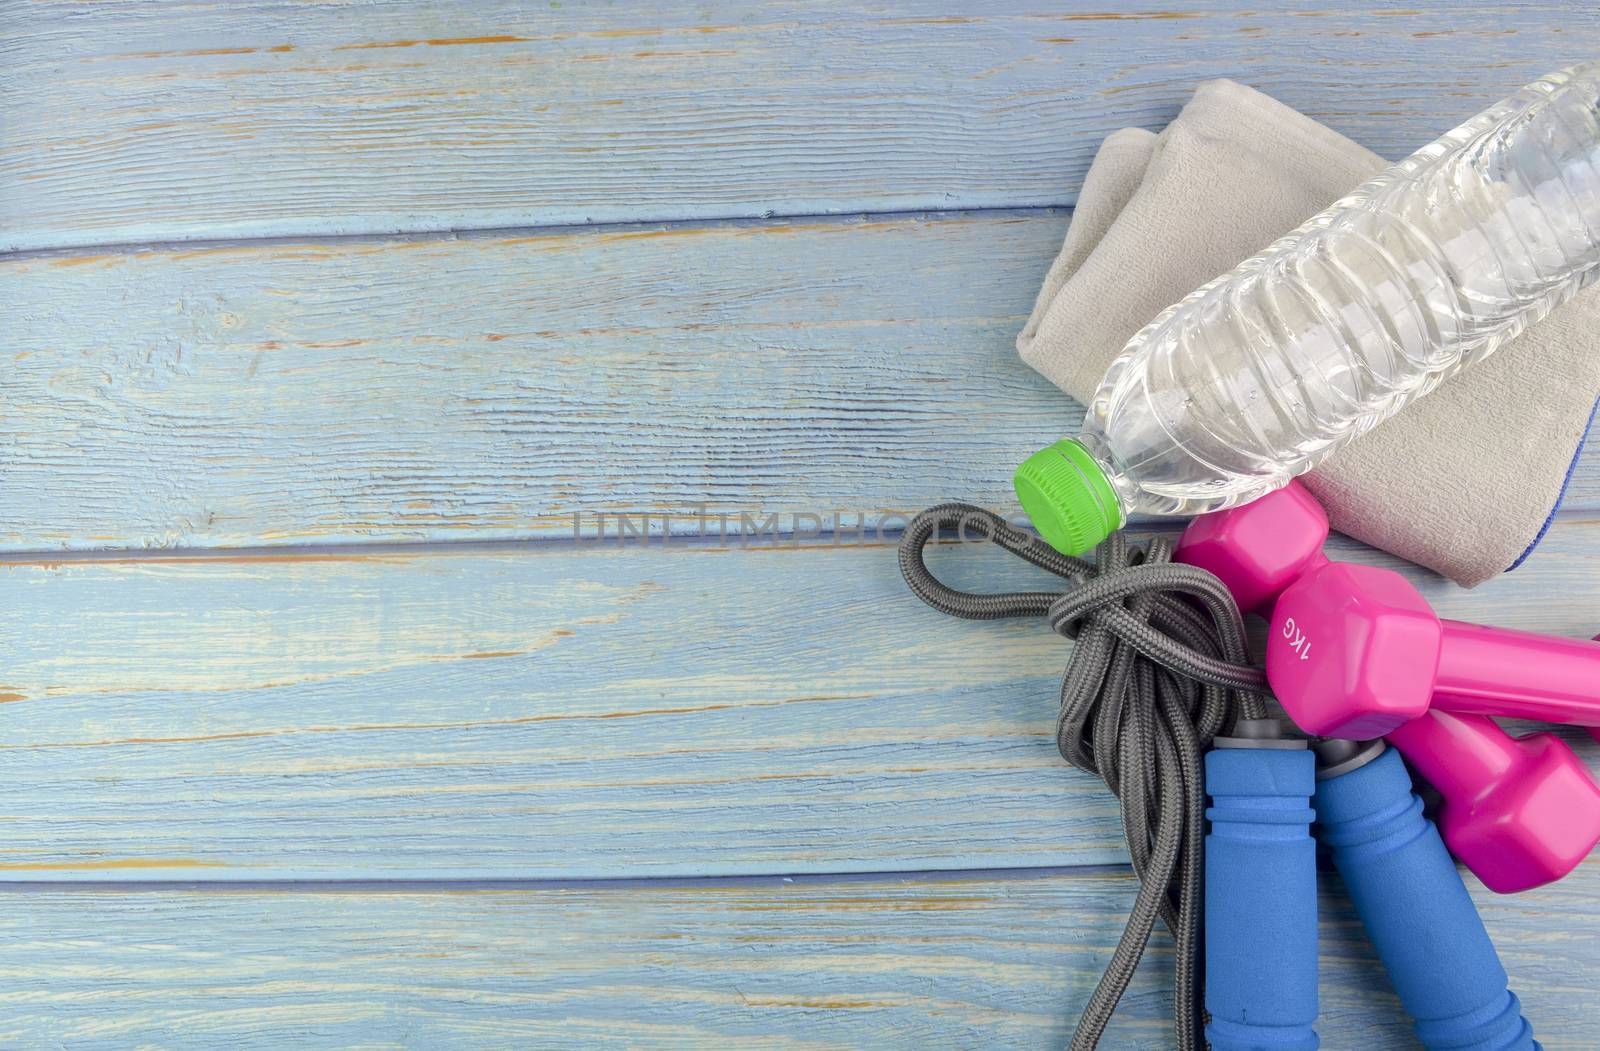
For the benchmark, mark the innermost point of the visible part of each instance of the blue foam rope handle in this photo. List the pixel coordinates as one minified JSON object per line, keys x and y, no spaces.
{"x":1417,"y":911}
{"x":1261,"y":900}
{"x":1561,"y":494}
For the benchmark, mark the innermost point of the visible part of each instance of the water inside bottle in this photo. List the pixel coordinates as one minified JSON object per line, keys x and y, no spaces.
{"x":1431,"y":266}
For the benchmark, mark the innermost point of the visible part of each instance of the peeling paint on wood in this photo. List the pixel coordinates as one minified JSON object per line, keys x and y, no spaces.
{"x":560,"y":711}
{"x":468,"y":712}
{"x":976,"y":961}
{"x":495,"y":387}
{"x":160,"y":121}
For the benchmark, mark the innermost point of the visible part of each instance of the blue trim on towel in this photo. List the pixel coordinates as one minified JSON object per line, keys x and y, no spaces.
{"x":1571,"y":467}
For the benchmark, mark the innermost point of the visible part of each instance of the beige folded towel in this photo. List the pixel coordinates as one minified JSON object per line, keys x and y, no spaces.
{"x":1463,"y":481}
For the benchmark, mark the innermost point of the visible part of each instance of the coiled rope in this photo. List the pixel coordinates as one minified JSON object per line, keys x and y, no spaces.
{"x":1159,"y":668}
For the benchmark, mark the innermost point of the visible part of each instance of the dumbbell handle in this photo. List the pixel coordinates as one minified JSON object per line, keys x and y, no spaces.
{"x":1461,"y":755}
{"x":1518,"y":674}
{"x":1594,"y":731}
{"x":1260,"y":898}
{"x":1417,"y":911}
{"x":1487,"y":671}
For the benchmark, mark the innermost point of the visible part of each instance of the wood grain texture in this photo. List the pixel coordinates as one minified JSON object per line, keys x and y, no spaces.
{"x":177,"y":120}
{"x":559,"y":711}
{"x":947,"y":962}
{"x":494,"y":387}
{"x":554,"y":710}
{"x":491,"y":387}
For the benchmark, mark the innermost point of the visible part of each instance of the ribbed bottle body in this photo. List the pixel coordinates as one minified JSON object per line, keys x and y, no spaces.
{"x":1264,"y":372}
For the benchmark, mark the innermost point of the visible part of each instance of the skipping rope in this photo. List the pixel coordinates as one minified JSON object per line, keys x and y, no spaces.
{"x":1159,"y":668}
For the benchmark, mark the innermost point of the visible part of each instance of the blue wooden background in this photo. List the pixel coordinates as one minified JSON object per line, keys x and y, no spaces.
{"x":322,"y":322}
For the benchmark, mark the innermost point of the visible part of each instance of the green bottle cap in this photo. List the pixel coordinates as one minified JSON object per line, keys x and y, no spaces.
{"x":1067,"y":495}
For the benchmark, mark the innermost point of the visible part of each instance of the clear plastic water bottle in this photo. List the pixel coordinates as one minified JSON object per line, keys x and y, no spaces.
{"x":1261,"y":374}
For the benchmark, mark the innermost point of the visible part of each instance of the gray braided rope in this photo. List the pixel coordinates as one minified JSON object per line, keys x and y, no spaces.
{"x":1159,"y":669}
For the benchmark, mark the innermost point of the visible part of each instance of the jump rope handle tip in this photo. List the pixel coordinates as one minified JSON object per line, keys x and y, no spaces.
{"x":1261,"y":892}
{"x":1416,"y":909}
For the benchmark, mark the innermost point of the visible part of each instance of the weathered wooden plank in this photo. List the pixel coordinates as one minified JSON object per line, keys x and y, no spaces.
{"x":493,"y":387}
{"x":180,"y":120}
{"x":942,"y":962}
{"x":558,"y":711}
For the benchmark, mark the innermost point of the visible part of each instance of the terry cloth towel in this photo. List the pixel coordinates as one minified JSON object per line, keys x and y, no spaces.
{"x":1464,"y":481}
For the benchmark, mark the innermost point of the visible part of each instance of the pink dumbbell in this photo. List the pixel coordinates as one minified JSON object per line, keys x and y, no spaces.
{"x":1355,"y":651}
{"x":1520,"y":812}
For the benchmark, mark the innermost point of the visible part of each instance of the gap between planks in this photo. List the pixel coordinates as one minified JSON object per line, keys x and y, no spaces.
{"x":357,"y":550}
{"x":554,"y":229}
{"x":365,"y":885}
